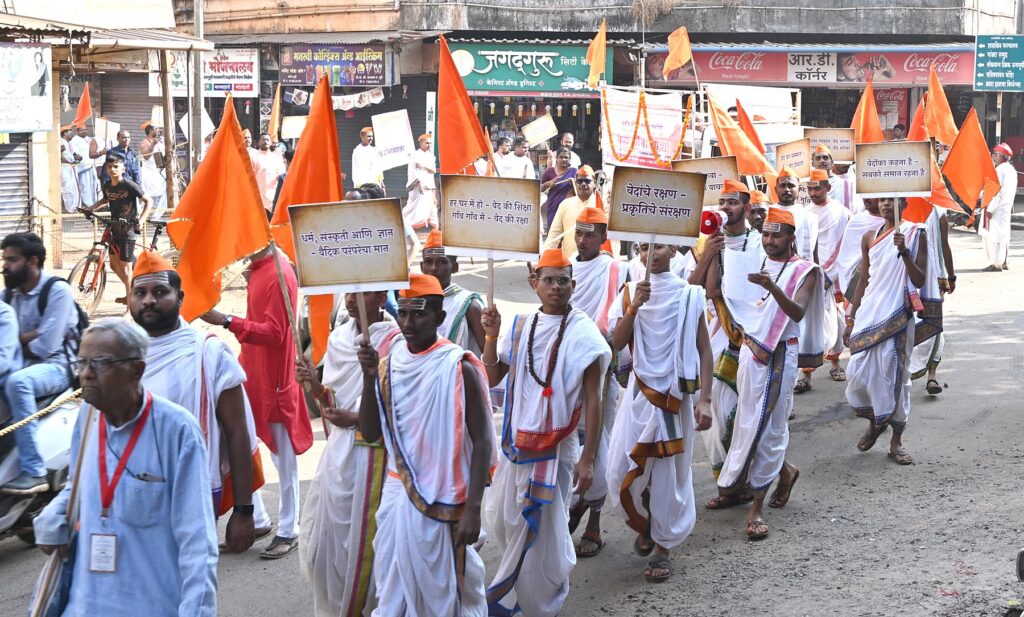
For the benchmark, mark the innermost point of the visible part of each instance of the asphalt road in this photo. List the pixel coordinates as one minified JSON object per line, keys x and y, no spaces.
{"x":861,"y":536}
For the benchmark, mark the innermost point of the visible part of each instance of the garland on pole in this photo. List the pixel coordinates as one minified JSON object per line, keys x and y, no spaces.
{"x":608,"y":126}
{"x":641,"y":111}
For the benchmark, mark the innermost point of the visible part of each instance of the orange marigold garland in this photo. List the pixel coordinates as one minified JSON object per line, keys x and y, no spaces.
{"x":608,"y":127}
{"x":642,"y":111}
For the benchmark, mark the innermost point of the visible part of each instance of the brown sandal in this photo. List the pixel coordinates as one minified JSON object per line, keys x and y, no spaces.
{"x":900,"y":457}
{"x":779,"y":499}
{"x":594,"y":538}
{"x":722,"y":502}
{"x":866,"y":444}
{"x":757,"y":530}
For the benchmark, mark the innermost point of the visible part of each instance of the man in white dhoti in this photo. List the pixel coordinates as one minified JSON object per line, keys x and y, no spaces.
{"x":421,"y":208}
{"x":651,"y":447}
{"x":200,"y":373}
{"x":597,"y":277}
{"x":831,"y":219}
{"x":850,"y":250}
{"x":929,"y":340}
{"x":462,"y":308}
{"x":787,"y":187}
{"x":153,"y":182}
{"x":555,"y":359}
{"x":336,"y":533}
{"x":424,"y":399}
{"x":769,"y":361}
{"x":366,"y":166}
{"x":995,"y":222}
{"x":268,"y":166}
{"x":88,"y":181}
{"x":69,"y":194}
{"x":880,"y":328}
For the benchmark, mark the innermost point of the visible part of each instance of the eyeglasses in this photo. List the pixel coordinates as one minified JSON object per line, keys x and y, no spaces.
{"x":551,"y":281}
{"x":99,"y":364}
{"x":583,"y":181}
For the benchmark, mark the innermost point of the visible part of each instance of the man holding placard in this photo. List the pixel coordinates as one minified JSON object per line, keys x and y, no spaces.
{"x":555,"y":360}
{"x":421,"y":208}
{"x":651,"y":447}
{"x":768,"y":366}
{"x":880,"y":327}
{"x":462,"y":308}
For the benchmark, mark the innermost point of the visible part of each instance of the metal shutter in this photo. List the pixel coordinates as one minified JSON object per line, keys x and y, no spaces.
{"x":126,"y":101}
{"x":14,"y":185}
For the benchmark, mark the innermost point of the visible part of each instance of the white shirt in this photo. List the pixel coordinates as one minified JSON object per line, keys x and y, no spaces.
{"x":512,"y":166}
{"x":366,"y":167}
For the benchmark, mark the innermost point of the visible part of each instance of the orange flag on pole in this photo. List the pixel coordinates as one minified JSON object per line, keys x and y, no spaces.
{"x":460,"y":138}
{"x":679,"y":51}
{"x":918,"y":208}
{"x":918,"y":131}
{"x":732,"y":141}
{"x":865,"y":125}
{"x":84,"y":110}
{"x":969,"y":167}
{"x":220,"y":218}
{"x":274,"y":126}
{"x":938,"y":117}
{"x":748,"y":127}
{"x":597,"y":54}
{"x":314,"y":176}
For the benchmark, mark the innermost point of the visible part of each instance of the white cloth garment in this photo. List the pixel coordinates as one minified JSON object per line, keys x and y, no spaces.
{"x":832,"y":219}
{"x":421,"y":208}
{"x":512,"y":166}
{"x":69,"y":194}
{"x":267,"y":165}
{"x":287,"y":464}
{"x":366,"y":166}
{"x":928,"y":345}
{"x":850,"y":249}
{"x":652,"y":448}
{"x":806,"y":230}
{"x":995,"y":222}
{"x":681,"y":265}
{"x":457,"y":302}
{"x":153,"y":182}
{"x":88,"y":181}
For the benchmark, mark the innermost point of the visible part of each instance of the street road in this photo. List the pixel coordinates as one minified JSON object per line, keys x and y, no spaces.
{"x":861,"y":536}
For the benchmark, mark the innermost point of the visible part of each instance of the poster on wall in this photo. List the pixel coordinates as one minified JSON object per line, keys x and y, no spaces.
{"x":622,"y":126}
{"x":346,"y":65}
{"x":234,"y":71}
{"x":26,"y":88}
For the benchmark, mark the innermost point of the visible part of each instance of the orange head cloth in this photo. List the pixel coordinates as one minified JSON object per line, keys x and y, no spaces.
{"x":145,"y":125}
{"x":424,"y":137}
{"x":420,"y":287}
{"x":434,"y":244}
{"x":817,"y":177}
{"x":776,"y":218}
{"x":786,"y":172}
{"x":733,"y":188}
{"x":67,"y":127}
{"x":757,"y":197}
{"x":151,"y":263}
{"x":585,"y":171}
{"x":552,"y":258}
{"x":822,"y":149}
{"x":366,"y":130}
{"x":590,"y":217}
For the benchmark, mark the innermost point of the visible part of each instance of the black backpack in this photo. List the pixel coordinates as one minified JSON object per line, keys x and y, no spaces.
{"x":71,"y":340}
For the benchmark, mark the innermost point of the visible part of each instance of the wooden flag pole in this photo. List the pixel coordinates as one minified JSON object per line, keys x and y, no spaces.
{"x":647,"y":266}
{"x":364,"y":322}
{"x":292,"y":323}
{"x":490,"y":282}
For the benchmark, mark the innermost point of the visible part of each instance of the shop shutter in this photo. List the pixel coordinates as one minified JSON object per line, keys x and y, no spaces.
{"x":126,"y":101}
{"x":14,"y":185}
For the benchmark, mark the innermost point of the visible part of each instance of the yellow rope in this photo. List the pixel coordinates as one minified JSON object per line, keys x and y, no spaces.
{"x":42,"y":412}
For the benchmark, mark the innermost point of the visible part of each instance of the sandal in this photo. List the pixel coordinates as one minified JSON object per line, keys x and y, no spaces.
{"x":802,"y":385}
{"x":757,"y":530}
{"x":576,"y":515}
{"x":780,"y":499}
{"x":595,"y":539}
{"x":837,"y":374}
{"x":722,"y":502}
{"x":258,"y":535}
{"x":274,"y":550}
{"x":867,"y":442}
{"x":933,"y":387}
{"x":643,"y":545}
{"x":660,"y":563}
{"x":900,"y":457}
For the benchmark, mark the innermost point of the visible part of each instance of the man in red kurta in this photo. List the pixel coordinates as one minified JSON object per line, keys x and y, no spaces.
{"x":278,"y":408}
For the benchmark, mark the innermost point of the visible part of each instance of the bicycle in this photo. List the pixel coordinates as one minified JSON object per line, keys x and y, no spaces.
{"x":88,"y":279}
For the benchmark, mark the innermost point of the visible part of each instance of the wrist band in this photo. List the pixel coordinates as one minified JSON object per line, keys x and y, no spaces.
{"x":488,"y":337}
{"x":631,"y":312}
{"x":486,"y":363}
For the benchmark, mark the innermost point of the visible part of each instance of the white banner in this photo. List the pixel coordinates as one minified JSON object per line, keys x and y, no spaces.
{"x":664,"y":121}
{"x":26,"y":88}
{"x":392,"y":135}
{"x":234,"y":71}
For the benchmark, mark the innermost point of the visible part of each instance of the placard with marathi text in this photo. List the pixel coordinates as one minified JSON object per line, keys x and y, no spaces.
{"x":838,"y":141}
{"x":796,"y":155}
{"x":484,"y":216}
{"x":717,"y":169}
{"x":894,"y":169}
{"x":656,"y":205}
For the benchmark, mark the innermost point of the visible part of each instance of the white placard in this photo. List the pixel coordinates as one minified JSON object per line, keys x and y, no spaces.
{"x":392,"y":135}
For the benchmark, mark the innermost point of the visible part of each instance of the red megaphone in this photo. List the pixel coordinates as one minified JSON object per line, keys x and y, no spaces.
{"x":711,"y":221}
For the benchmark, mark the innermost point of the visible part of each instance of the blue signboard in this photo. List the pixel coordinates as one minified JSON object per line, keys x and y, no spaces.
{"x":999,"y":63}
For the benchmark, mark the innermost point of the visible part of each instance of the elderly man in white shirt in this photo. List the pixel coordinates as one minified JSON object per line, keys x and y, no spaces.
{"x":995,"y":222}
{"x":366,"y":167}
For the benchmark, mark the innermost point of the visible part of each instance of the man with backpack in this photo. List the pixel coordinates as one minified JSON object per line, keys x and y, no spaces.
{"x":48,"y":327}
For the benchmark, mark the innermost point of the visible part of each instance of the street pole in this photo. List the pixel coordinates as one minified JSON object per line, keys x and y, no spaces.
{"x":196,"y":113}
{"x":999,"y":117}
{"x":170,"y":158}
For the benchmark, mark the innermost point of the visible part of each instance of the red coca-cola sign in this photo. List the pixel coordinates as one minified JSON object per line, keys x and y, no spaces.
{"x":745,"y":61}
{"x":944,"y":63}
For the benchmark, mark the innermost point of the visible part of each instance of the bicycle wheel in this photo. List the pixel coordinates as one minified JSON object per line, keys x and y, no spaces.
{"x":87,"y":284}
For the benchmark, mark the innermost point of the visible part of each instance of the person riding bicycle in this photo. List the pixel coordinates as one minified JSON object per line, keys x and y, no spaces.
{"x":122,"y":195}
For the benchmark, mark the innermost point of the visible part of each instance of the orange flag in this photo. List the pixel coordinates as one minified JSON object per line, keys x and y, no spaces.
{"x":732,"y":141}
{"x":84,"y":110}
{"x":918,"y":208}
{"x":748,"y":127}
{"x":460,"y":138}
{"x":938,"y":118}
{"x":274,"y":126}
{"x":220,"y":218}
{"x":597,"y":54}
{"x":918,"y":131}
{"x":969,"y":167}
{"x":865,"y":125}
{"x":313,"y":177}
{"x":679,"y":52}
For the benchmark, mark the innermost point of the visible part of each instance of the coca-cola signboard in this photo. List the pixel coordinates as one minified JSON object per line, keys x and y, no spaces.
{"x":884,"y":68}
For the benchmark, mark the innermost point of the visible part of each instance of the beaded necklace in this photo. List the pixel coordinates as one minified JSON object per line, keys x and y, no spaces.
{"x":546,"y":384}
{"x":764,"y":262}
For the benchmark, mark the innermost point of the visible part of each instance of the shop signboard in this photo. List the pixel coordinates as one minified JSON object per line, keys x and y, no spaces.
{"x":999,"y":63}
{"x":231,"y":70}
{"x":346,"y":65}
{"x":557,"y":70}
{"x":26,"y":88}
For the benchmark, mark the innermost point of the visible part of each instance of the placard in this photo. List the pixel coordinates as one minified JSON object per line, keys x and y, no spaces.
{"x":105,"y":130}
{"x":894,"y":169}
{"x":497,"y":218}
{"x":205,"y":125}
{"x":654,"y":204}
{"x":797,"y":156}
{"x":156,"y":116}
{"x":540,"y":130}
{"x":350,"y":246}
{"x":716,"y":168}
{"x":392,"y":135}
{"x":292,"y":126}
{"x":839,"y":141}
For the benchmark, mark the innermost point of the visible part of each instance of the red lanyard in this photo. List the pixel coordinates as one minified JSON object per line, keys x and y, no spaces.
{"x":107,"y":487}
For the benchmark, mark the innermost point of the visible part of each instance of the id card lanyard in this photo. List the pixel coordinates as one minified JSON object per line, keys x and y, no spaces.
{"x":107,"y":487}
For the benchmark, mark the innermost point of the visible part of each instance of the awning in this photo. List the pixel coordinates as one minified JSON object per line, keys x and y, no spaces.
{"x":320,"y":38}
{"x":808,"y":48}
{"x":14,"y":26}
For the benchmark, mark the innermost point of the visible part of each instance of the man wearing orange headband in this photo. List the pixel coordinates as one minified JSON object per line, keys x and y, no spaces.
{"x":421,"y":208}
{"x":787,"y":187}
{"x":792,"y":292}
{"x":366,"y":166}
{"x":759,"y":203}
{"x":422,"y":400}
{"x":651,"y":448}
{"x":880,"y":328}
{"x":840,"y":187}
{"x":556,"y":360}
{"x":563,"y":227}
{"x":597,"y":277}
{"x":462,"y":308}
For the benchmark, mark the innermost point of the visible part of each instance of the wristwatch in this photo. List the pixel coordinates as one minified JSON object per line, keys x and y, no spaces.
{"x":246,"y":510}
{"x":227,"y":322}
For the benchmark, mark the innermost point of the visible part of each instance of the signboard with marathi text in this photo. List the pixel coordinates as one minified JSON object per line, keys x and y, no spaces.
{"x":488,"y":68}
{"x":540,"y":130}
{"x":999,"y":63}
{"x":392,"y":136}
{"x":717,"y":169}
{"x":894,"y":169}
{"x":346,"y":65}
{"x":497,"y":218}
{"x":350,"y":246}
{"x":838,"y":141}
{"x":796,"y":155}
{"x":654,"y":205}
{"x":228,"y":70}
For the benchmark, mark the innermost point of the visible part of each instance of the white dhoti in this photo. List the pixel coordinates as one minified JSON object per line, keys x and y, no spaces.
{"x":88,"y":185}
{"x":723,"y":409}
{"x":415,"y":564}
{"x":927,"y":356}
{"x":598,"y":491}
{"x":879,"y":380}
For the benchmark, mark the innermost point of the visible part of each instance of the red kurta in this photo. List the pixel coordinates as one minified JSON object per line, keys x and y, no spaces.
{"x":268,"y":356}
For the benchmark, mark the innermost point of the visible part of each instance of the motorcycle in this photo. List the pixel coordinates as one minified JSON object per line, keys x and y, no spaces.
{"x":53,"y":439}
